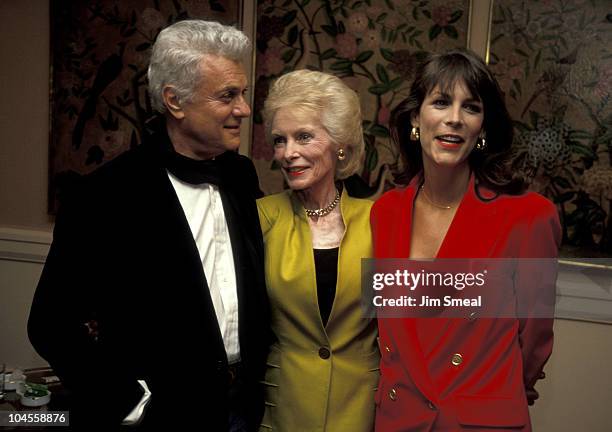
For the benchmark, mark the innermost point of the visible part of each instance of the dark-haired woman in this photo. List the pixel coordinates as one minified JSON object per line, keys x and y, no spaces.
{"x":462,"y":201}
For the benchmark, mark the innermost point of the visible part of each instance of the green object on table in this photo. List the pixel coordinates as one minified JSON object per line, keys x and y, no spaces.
{"x":35,"y":390}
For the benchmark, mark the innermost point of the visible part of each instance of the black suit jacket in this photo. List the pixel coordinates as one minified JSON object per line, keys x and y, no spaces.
{"x":123,"y":297}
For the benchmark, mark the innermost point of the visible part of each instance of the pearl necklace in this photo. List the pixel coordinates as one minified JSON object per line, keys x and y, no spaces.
{"x":325,"y":210}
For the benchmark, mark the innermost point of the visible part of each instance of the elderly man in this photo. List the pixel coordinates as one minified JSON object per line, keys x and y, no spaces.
{"x":152,"y":306}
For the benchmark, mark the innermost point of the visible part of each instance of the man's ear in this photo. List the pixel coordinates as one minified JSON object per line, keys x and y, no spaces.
{"x":172,"y":102}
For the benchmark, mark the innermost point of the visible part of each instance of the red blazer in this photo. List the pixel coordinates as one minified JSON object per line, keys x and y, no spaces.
{"x":501,"y":359}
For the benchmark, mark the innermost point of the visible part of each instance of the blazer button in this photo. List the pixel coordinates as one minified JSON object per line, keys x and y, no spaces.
{"x":324,"y":353}
{"x":387,"y":349}
{"x":393,"y":394}
{"x":457,"y":359}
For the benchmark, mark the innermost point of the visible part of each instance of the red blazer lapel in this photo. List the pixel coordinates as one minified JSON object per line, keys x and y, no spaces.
{"x":472,"y":231}
{"x":394,"y":242}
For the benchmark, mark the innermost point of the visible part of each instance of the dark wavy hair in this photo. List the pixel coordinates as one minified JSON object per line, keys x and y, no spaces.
{"x":491,"y":167}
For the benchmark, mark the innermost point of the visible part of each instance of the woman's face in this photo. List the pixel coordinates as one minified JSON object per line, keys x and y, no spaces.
{"x":449,"y":126}
{"x":304,"y":150}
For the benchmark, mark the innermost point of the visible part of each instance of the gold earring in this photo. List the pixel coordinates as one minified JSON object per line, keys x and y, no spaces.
{"x":415,"y":135}
{"x":341,"y":154}
{"x":481,"y":144}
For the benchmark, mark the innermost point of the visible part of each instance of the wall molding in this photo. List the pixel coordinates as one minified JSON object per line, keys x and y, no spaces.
{"x":584,"y":290}
{"x":24,"y":245}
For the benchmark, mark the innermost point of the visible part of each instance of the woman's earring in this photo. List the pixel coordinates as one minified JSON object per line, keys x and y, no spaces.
{"x":341,"y":154}
{"x":415,"y":135}
{"x":481,"y":143}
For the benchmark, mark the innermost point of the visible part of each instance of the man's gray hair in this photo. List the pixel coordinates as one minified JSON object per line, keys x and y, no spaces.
{"x":178,"y":50}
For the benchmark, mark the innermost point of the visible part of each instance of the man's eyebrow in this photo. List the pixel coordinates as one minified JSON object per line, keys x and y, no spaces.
{"x":233,"y":88}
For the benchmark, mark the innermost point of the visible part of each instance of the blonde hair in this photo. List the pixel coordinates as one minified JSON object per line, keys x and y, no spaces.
{"x":336,"y":104}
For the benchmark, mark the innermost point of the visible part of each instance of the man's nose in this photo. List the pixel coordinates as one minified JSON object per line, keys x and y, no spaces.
{"x":241,"y":108}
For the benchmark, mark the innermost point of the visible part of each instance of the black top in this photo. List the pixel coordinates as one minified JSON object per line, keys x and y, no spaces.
{"x":326,"y":267}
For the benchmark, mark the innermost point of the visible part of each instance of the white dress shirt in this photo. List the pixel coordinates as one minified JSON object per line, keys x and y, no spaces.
{"x":204,"y":212}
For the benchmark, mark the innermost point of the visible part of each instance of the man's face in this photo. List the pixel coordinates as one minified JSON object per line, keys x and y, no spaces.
{"x":209,"y":124}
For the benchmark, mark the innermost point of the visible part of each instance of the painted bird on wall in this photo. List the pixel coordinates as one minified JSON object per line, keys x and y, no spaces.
{"x":108,"y":72}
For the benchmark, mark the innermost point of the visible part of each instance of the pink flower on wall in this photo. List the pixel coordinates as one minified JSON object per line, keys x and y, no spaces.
{"x":371,"y":40}
{"x":357,"y":22}
{"x":346,"y":45}
{"x":383,"y":115}
{"x":272,"y":63}
{"x":112,"y":142}
{"x":604,"y":84}
{"x":404,"y":63}
{"x":392,"y":21}
{"x":374,"y":11}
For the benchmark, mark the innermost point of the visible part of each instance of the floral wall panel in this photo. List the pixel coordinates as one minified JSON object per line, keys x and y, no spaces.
{"x":100,"y":52}
{"x":553,"y":59}
{"x":372,"y":45}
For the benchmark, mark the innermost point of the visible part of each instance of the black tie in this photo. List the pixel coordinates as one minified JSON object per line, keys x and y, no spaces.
{"x":195,"y":171}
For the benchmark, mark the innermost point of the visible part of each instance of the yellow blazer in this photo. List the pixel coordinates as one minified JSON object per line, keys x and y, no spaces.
{"x":318,"y":378}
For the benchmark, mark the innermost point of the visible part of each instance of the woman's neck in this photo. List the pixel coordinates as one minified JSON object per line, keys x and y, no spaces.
{"x":317,"y":197}
{"x":445,"y":186}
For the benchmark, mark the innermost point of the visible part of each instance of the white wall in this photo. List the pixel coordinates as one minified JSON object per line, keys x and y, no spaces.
{"x":576,"y":395}
{"x":22,"y":254}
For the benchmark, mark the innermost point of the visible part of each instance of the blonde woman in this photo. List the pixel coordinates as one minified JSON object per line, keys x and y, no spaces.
{"x":323,"y":368}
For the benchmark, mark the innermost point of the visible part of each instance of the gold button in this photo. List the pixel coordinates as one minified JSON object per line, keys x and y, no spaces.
{"x":387,"y":349}
{"x":457,"y":359}
{"x":392,"y":394}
